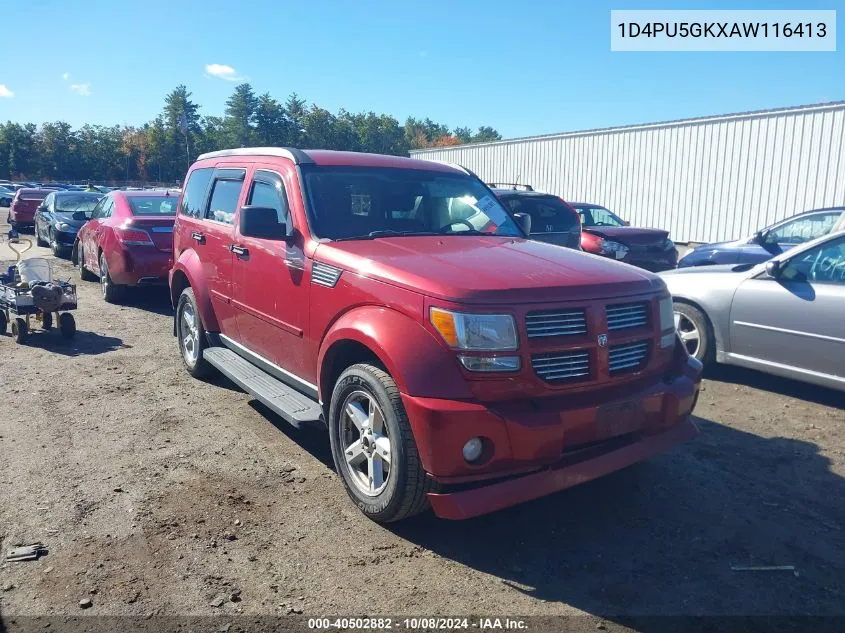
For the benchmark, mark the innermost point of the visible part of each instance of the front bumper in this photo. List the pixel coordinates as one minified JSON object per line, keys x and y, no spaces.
{"x":559,"y":441}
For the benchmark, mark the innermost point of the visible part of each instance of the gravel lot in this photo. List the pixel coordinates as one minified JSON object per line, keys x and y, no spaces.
{"x":156,"y":494}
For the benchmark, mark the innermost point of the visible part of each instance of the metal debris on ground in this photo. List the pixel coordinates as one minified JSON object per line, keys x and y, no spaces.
{"x":26,"y":552}
{"x":764,"y":568}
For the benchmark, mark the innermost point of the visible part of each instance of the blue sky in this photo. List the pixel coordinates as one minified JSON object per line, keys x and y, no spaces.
{"x":528,"y":67}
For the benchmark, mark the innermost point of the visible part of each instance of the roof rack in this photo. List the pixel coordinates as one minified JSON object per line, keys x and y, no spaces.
{"x":510,"y":185}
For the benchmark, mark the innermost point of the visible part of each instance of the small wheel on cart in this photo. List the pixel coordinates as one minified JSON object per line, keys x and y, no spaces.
{"x":19,"y":330}
{"x":67,"y":324}
{"x":47,"y":321}
{"x":3,"y":322}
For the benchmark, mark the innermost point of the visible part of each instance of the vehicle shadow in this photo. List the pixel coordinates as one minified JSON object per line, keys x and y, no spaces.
{"x":151,"y":299}
{"x":660,"y":538}
{"x":82,"y":344}
{"x":775,"y":384}
{"x":312,"y":438}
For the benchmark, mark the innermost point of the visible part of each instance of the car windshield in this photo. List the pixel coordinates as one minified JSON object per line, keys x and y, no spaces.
{"x":76,"y":203}
{"x":369,"y":202}
{"x":598,"y":216}
{"x":153,"y":205}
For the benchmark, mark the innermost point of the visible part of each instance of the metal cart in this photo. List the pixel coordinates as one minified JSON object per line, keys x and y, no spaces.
{"x":17,"y":306}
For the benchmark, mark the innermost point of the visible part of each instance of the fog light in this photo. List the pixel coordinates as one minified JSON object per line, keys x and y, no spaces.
{"x":473,"y":448}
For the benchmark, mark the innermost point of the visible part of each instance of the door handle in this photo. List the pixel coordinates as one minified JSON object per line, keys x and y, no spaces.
{"x":240,"y":251}
{"x":198,"y":237}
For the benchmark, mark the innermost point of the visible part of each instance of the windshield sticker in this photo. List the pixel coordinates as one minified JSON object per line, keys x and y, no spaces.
{"x":486,"y":204}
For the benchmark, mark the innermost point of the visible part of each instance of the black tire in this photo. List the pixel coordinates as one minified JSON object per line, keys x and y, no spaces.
{"x":19,"y":330}
{"x":47,"y":321}
{"x":186,"y":310}
{"x":67,"y":325}
{"x":112,"y":292}
{"x":404,"y":493}
{"x":58,"y":249}
{"x":3,"y":322}
{"x":705,"y":351}
{"x":84,"y":274}
{"x":38,"y":240}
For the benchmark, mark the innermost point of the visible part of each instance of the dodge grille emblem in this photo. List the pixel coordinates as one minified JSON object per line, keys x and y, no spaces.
{"x":602,"y":340}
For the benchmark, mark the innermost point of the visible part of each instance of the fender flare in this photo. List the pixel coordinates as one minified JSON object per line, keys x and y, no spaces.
{"x":190,"y":266}
{"x":419,"y":363}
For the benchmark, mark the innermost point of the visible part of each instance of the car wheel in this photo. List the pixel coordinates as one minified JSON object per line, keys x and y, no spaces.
{"x":111,"y":292}
{"x":47,"y":321}
{"x":190,"y":334}
{"x":67,"y":325}
{"x":373,"y":447}
{"x":3,"y":322}
{"x":58,"y":249}
{"x":84,"y":275}
{"x":695,"y":331}
{"x":38,"y":240}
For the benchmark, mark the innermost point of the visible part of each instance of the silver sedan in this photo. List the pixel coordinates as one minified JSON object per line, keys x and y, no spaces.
{"x":785,"y":316}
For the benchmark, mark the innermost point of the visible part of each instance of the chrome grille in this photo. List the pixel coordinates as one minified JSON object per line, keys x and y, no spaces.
{"x":627,"y":315}
{"x":324,"y":275}
{"x":555,"y":323}
{"x":562,"y":366}
{"x":627,"y":357}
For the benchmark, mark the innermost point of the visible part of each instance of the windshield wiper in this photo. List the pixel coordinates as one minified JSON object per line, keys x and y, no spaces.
{"x":384,"y":233}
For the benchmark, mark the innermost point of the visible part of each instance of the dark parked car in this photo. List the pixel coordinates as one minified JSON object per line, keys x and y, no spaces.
{"x":770,"y":241}
{"x":552,"y":220}
{"x":456,"y":363}
{"x":128,"y":241}
{"x":60,"y":216}
{"x":605,"y":233}
{"x":6,"y":195}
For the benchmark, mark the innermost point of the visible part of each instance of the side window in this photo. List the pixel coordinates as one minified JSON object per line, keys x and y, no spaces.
{"x":602,"y":217}
{"x":823,"y":264}
{"x":803,"y":229}
{"x":48,"y":202}
{"x":97,"y":212}
{"x":108,"y":207}
{"x":224,"y":201}
{"x":266,"y":194}
{"x":193,"y":200}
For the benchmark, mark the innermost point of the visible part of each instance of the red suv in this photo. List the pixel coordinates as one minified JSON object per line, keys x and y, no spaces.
{"x":456,"y":363}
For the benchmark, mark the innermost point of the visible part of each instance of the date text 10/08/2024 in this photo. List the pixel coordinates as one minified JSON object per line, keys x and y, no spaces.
{"x":423,"y":623}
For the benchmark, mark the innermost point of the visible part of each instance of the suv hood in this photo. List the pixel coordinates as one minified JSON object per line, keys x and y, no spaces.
{"x":477,"y":269}
{"x":628,"y":234}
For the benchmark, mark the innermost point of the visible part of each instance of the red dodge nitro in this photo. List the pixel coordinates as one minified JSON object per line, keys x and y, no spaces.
{"x":457,"y":364}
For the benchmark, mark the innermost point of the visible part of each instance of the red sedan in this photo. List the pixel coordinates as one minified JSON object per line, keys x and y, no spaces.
{"x":128,"y":241}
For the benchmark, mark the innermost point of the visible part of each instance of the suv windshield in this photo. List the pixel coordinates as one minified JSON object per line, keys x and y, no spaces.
{"x":598,"y":216}
{"x":367,"y":202}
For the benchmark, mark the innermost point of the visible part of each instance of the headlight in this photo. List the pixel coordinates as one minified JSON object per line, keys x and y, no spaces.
{"x":668,"y":245}
{"x":64,"y":228}
{"x":667,"y":323}
{"x":475,"y":332}
{"x":613,"y":249}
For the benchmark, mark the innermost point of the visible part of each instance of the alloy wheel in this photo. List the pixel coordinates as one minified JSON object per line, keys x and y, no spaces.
{"x":689,"y":333}
{"x":189,"y":335}
{"x":367,"y":444}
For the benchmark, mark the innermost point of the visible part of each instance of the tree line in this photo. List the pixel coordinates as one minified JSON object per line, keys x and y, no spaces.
{"x":161,"y":150}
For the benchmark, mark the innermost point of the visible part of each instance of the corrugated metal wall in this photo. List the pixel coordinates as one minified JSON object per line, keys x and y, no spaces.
{"x":705,"y":180}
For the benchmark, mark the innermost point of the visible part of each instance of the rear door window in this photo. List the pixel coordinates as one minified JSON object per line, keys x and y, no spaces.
{"x":193,"y":200}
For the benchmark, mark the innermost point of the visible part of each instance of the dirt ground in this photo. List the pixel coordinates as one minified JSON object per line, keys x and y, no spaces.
{"x":156,"y":493}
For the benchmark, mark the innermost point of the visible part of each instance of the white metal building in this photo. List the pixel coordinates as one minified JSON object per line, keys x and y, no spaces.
{"x":706,"y":179}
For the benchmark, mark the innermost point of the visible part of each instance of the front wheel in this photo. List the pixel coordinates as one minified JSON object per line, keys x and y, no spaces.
{"x":38,"y":240}
{"x":3,"y":322}
{"x":695,"y":331}
{"x":191,"y":336}
{"x":373,"y":447}
{"x":58,"y":249}
{"x":67,"y":325}
{"x":19,"y":330}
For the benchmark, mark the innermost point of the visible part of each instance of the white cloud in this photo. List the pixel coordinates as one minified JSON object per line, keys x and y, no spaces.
{"x":83,"y":90}
{"x":5,"y":92}
{"x":65,"y":76}
{"x":221,"y":71}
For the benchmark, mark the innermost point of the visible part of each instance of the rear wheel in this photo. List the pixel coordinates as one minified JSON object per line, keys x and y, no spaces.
{"x":373,"y":447}
{"x":695,"y":331}
{"x":47,"y":321}
{"x":84,"y":275}
{"x":191,"y":335}
{"x":67,"y":325}
{"x":111,"y":292}
{"x":19,"y":330}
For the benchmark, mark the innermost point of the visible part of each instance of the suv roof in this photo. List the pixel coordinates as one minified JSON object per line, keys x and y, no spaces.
{"x":522,"y":193}
{"x":335,"y":157}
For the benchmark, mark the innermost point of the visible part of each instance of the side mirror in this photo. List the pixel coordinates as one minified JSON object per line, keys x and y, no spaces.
{"x":523,"y":221}
{"x":759,"y":237}
{"x":626,"y":222}
{"x":773,"y":269}
{"x":261,"y":222}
